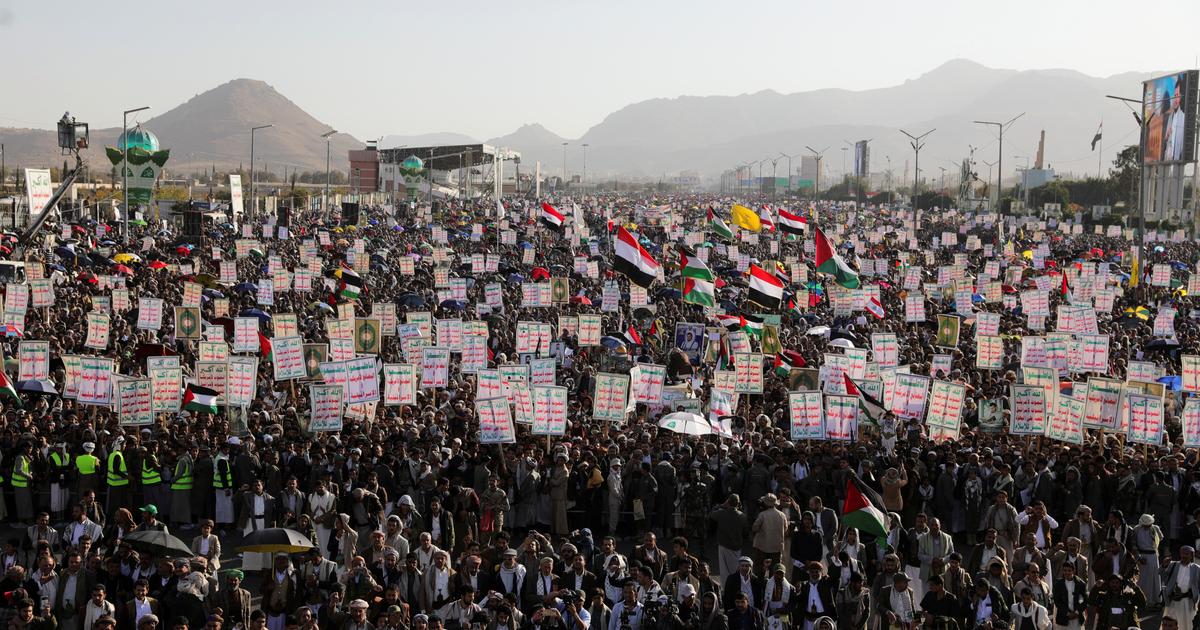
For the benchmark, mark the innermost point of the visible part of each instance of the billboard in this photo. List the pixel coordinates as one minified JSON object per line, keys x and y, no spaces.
{"x":1169,"y":116}
{"x":862,"y":159}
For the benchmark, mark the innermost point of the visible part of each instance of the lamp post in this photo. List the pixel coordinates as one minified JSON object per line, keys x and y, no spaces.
{"x":325,"y":199}
{"x":253,"y":197}
{"x":1142,"y":125}
{"x":1000,"y":152}
{"x":788,"y":190}
{"x":1024,"y":180}
{"x":820,"y":160}
{"x":916,"y":143}
{"x":564,"y":146}
{"x":585,"y":146}
{"x":774,"y":188}
{"x":125,"y":167}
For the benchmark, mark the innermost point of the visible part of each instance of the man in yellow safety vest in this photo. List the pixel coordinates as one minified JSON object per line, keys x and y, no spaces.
{"x":120,"y":492}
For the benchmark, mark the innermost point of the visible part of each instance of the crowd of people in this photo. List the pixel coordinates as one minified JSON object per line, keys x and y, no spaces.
{"x":411,"y":522}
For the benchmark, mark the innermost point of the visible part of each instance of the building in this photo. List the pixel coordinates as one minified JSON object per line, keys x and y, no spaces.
{"x":810,"y":172}
{"x":364,"y":170}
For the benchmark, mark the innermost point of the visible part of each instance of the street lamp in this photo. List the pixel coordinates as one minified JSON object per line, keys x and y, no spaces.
{"x":774,"y":188}
{"x":564,"y":145}
{"x":820,"y":162}
{"x":325,"y":199}
{"x":125,"y":166}
{"x":585,"y":146}
{"x":789,"y":159}
{"x":253,"y":198}
{"x":1143,"y":123}
{"x":1024,"y":180}
{"x":1000,"y":152}
{"x":916,"y":144}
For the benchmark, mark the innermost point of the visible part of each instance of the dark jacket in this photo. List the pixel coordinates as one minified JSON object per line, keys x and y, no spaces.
{"x":733,"y":586}
{"x":1078,"y":599}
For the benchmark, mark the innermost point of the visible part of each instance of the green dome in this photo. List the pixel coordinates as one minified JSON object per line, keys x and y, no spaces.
{"x":412,"y":163}
{"x":140,"y":138}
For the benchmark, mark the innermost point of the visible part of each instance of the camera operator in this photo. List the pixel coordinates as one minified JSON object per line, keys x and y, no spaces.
{"x":627,"y":613}
{"x":571,"y":607}
{"x":1117,"y":602}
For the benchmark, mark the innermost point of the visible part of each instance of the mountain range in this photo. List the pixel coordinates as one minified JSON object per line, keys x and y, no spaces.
{"x":706,"y":134}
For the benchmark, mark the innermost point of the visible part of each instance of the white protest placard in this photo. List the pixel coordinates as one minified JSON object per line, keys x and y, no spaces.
{"x":43,"y":292}
{"x":241,"y":380}
{"x":989,"y":352}
{"x":288,"y":358}
{"x":399,"y":384}
{"x":1191,"y":423}
{"x":1093,"y":353}
{"x":910,"y":393}
{"x":435,"y":367}
{"x":245,"y":334}
{"x":95,"y":381}
{"x":945,"y":405}
{"x":589,"y":329}
{"x":134,"y":400}
{"x":807,"y":412}
{"x":886,"y":349}
{"x":1066,"y":424}
{"x":647,"y":381}
{"x":748,"y":367}
{"x":550,"y":411}
{"x":166,"y":388}
{"x":1101,"y":403}
{"x":542,"y":372}
{"x":914,"y":308}
{"x":1028,"y":410}
{"x":611,"y":397}
{"x":841,"y":417}
{"x":474,"y":354}
{"x":97,"y":330}
{"x":987,"y":324}
{"x":213,"y":350}
{"x":1145,"y":419}
{"x":34,"y":360}
{"x":495,"y":421}
{"x":326,"y":404}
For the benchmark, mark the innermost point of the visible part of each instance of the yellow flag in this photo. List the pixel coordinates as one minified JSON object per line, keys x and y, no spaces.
{"x":746,"y":218}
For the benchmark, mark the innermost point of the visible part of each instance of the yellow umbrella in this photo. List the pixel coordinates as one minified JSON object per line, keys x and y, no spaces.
{"x":126,"y":258}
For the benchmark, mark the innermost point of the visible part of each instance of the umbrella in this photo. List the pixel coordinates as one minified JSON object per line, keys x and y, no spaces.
{"x":137,"y":222}
{"x":123,"y":269}
{"x":183,"y":250}
{"x":668,"y":293}
{"x":245,"y":287}
{"x":65,"y":252}
{"x":686,"y":423}
{"x":254,"y":251}
{"x":841,"y":342}
{"x":540,"y":273}
{"x":321,"y":305}
{"x":581,"y":299}
{"x":158,"y":264}
{"x":454,"y":305}
{"x":213,"y":293}
{"x":256,"y":312}
{"x":410,"y":300}
{"x":642,"y":312}
{"x":608,"y":341}
{"x":159,"y":544}
{"x":152,"y":350}
{"x":274,"y":540}
{"x":37,"y":386}
{"x":126,"y":258}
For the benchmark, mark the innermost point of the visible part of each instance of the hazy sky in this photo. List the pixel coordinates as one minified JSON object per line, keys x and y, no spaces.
{"x":485,"y":68}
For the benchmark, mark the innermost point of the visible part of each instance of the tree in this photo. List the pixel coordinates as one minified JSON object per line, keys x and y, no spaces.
{"x":1126,"y":175}
{"x":930,"y":199}
{"x":1050,"y":192}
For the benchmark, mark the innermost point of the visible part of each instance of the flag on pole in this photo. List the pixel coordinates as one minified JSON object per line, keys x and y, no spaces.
{"x":875,"y":308}
{"x":630,"y":336}
{"x":7,"y":389}
{"x":350,"y":284}
{"x":828,"y":261}
{"x":862,"y":512}
{"x":766,"y":289}
{"x":718,"y":226}
{"x":792,"y":223}
{"x":746,"y":218}
{"x":1099,"y":134}
{"x":764,"y":218}
{"x":698,"y":287}
{"x":499,"y":211}
{"x":633,"y":260}
{"x":872,"y":407}
{"x":551,"y":217}
{"x":786,"y":360}
{"x":198,"y":398}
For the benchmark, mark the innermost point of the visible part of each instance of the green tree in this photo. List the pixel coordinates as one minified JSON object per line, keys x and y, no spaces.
{"x":1050,"y":192}
{"x":1125,"y":176}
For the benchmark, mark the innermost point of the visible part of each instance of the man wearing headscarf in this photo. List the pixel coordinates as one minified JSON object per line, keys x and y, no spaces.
{"x":1145,"y":540}
{"x":1181,"y":587}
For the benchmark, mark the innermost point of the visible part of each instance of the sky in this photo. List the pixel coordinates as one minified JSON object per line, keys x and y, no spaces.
{"x":485,"y":68}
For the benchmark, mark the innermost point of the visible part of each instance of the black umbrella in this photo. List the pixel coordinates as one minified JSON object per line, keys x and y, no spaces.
{"x":36,"y":386}
{"x":160,"y":544}
{"x":275,"y":540}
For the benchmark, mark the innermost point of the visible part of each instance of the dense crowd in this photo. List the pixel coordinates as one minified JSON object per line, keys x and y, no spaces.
{"x":412,"y":523}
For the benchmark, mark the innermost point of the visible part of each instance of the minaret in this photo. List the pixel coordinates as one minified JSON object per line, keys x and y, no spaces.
{"x":1041,"y":151}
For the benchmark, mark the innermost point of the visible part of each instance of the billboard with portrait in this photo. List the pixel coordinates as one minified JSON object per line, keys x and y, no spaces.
{"x":1169,"y":116}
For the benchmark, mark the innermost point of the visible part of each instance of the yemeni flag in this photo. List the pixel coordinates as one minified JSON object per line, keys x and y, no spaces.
{"x":864,"y":512}
{"x":7,"y":389}
{"x":200,"y":399}
{"x":766,"y":289}
{"x":633,"y":260}
{"x":829,"y":262}
{"x":792,"y":223}
{"x":551,"y":217}
{"x":630,"y":336}
{"x":873,"y":408}
{"x":717,"y":225}
{"x":350,"y":285}
{"x":1099,"y":134}
{"x":698,"y":287}
{"x":875,"y":308}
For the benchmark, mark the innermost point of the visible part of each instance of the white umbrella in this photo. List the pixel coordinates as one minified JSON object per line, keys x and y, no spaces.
{"x":818,"y":330}
{"x":841,"y":342}
{"x":686,"y":423}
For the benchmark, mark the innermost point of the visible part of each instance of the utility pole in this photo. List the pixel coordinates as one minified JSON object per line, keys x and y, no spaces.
{"x":585,"y":146}
{"x":1001,"y":126}
{"x":253,"y":197}
{"x":325,"y":198}
{"x":916,"y":143}
{"x":564,"y":179}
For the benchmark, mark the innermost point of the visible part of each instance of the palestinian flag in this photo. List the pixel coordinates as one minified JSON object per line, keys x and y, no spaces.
{"x":1066,"y":290}
{"x":264,"y":347}
{"x":766,"y":289}
{"x":698,"y":287}
{"x":873,"y":408}
{"x":864,"y":512}
{"x":551,"y":217}
{"x":200,"y":399}
{"x":717,"y":225}
{"x":633,"y":260}
{"x":764,"y":218}
{"x":792,"y":223}
{"x":350,"y":285}
{"x":7,"y":389}
{"x":829,"y":262}
{"x":733,"y":323}
{"x":795,"y":307}
{"x":786,"y":360}
{"x":875,"y":308}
